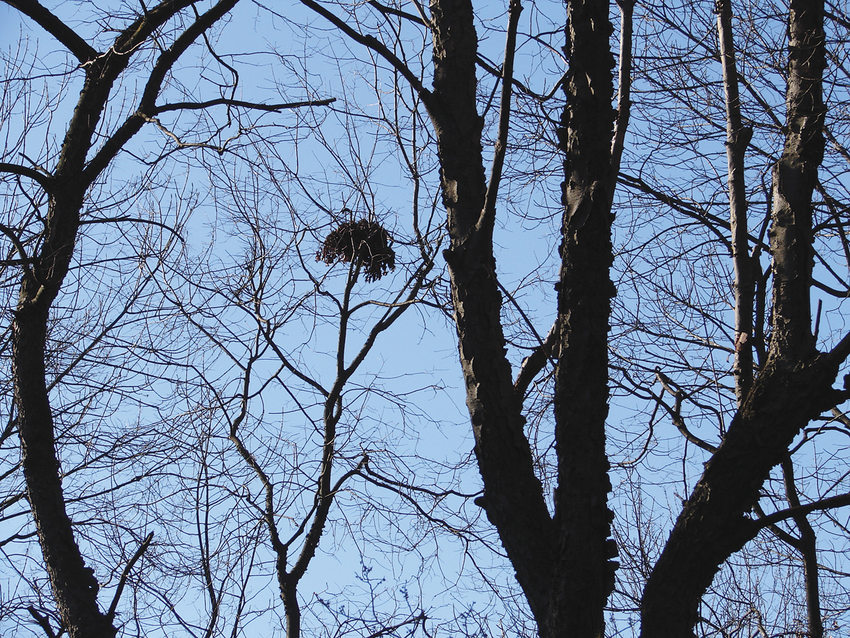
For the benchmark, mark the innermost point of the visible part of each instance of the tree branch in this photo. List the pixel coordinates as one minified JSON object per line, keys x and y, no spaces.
{"x":154,"y":84}
{"x":42,"y":621}
{"x":179,"y":106}
{"x":737,"y":139}
{"x":832,"y":502}
{"x":122,"y":582}
{"x":488,"y":212}
{"x":375,"y":45}
{"x":45,"y":181}
{"x":536,"y":361}
{"x":78,"y":47}
{"x":624,"y":82}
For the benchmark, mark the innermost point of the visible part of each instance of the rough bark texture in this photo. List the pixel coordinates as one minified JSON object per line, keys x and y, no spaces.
{"x":794,"y":179}
{"x":513,"y":497}
{"x":796,"y":383}
{"x":563,"y":563}
{"x":714,"y":522}
{"x":74,"y":585}
{"x":582,"y":517}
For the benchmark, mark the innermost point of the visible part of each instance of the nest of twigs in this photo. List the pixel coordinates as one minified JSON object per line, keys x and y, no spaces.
{"x":365,"y":241}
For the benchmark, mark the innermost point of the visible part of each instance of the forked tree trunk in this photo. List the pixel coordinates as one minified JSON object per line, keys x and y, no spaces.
{"x":563,"y":563}
{"x":513,"y":496}
{"x":795,"y":385}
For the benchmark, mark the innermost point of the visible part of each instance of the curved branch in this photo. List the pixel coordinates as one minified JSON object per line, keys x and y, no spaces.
{"x":78,"y":47}
{"x":536,"y":361}
{"x":42,"y":621}
{"x":126,"y":573}
{"x":832,"y":502}
{"x":101,"y":73}
{"x":675,"y":412}
{"x":375,"y":45}
{"x":74,"y":585}
{"x":25,"y":259}
{"x":45,"y":181}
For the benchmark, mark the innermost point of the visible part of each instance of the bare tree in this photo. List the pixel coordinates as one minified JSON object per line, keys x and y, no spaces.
{"x":291,"y":473}
{"x":55,"y":188}
{"x":709,"y":143}
{"x":558,"y":542}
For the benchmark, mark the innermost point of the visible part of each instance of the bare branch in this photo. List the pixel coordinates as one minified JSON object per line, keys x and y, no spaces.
{"x":45,"y":181}
{"x":178,"y":106}
{"x":78,"y":47}
{"x":832,"y":502}
{"x":737,"y":139}
{"x":675,"y":412}
{"x":125,"y":574}
{"x":489,"y":209}
{"x":42,"y":621}
{"x":375,"y":45}
{"x":624,"y":82}
{"x":157,"y":76}
{"x":536,"y":361}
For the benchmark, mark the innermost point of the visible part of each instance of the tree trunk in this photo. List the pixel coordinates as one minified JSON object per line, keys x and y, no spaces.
{"x":795,"y":385}
{"x":585,"y":577}
{"x":737,"y":139}
{"x":74,"y":585}
{"x":513,"y":496}
{"x":562,"y":565}
{"x":714,"y":522}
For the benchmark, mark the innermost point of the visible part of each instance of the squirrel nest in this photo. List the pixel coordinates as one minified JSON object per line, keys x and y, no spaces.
{"x":366,"y":241}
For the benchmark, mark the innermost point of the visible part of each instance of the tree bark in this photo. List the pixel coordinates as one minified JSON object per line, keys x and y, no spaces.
{"x":794,"y":179}
{"x":562,"y":564}
{"x":714,"y":523}
{"x":795,"y":385}
{"x":73,"y":584}
{"x":582,"y":517}
{"x":513,"y":496}
{"x":806,"y":544}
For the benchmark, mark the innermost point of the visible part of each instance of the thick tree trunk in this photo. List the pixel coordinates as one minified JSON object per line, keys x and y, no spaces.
{"x":562,"y":565}
{"x":714,"y":522}
{"x":794,"y":179}
{"x":74,"y":585}
{"x":796,"y":383}
{"x":513,"y":496}
{"x":582,"y":518}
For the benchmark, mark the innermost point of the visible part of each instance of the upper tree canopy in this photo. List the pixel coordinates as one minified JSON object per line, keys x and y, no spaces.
{"x":247,"y":247}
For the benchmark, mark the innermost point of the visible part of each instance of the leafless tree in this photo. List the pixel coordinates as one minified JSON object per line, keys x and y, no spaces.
{"x":558,"y":540}
{"x":685,"y":349}
{"x":61,"y":196}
